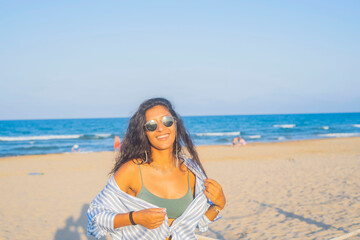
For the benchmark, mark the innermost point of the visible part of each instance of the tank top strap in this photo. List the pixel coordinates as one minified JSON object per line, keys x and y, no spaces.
{"x":189,"y":178}
{"x":142,"y":181}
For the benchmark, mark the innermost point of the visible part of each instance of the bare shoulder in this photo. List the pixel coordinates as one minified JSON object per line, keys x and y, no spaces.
{"x":126,"y":177}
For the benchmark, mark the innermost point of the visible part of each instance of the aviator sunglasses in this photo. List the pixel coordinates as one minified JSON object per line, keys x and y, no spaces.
{"x":152,"y":125}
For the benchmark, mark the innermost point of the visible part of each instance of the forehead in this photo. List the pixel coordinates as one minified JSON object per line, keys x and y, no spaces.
{"x":156,"y":112}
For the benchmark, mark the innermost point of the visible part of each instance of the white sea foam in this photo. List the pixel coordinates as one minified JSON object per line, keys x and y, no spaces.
{"x":285,"y":126}
{"x":339,"y":135}
{"x":356,"y":125}
{"x":325,"y":127}
{"x":218,"y":134}
{"x":255,"y":136}
{"x":281,"y":138}
{"x":103,"y":135}
{"x":45,"y":137}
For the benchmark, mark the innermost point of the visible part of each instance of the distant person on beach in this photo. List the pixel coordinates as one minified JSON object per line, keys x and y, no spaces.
{"x":239,"y":141}
{"x":156,"y":192}
{"x":242,"y":142}
{"x":75,"y":148}
{"x":235,"y":141}
{"x":117,"y":143}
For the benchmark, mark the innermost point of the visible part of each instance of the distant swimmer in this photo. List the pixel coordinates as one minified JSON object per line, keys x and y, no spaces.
{"x":75,"y":148}
{"x":117,"y":144}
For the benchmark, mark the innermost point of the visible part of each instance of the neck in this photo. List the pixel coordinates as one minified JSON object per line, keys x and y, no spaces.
{"x":162,"y":158}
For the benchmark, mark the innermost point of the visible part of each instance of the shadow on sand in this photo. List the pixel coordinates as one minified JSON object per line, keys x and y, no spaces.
{"x":75,"y":229}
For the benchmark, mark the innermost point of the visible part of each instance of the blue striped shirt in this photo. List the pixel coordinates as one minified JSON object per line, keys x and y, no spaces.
{"x":112,"y":201}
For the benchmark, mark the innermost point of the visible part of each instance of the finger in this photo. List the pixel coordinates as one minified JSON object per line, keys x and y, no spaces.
{"x":212,"y":181}
{"x":158,"y":210}
{"x":208,"y":195}
{"x":159,"y":216}
{"x":156,"y":225}
{"x":212,"y":189}
{"x":210,"y":186}
{"x":159,"y":223}
{"x":214,"y":192}
{"x":213,"y":195}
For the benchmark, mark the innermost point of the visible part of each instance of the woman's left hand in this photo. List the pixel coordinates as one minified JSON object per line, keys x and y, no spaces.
{"x":214,"y":192}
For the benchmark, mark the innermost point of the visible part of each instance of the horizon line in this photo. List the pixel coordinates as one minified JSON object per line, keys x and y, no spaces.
{"x":257,"y":114}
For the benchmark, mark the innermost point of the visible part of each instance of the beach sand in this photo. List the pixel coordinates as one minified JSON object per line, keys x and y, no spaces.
{"x":288,"y":190}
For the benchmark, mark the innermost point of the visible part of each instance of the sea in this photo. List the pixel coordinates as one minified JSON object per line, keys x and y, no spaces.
{"x":27,"y":137}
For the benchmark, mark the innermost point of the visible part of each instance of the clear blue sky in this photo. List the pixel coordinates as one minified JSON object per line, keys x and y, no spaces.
{"x":82,"y":59}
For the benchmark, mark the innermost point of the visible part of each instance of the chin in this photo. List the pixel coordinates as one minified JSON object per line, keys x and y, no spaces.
{"x":163,"y":147}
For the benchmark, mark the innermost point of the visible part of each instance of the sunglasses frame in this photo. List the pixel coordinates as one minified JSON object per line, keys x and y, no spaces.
{"x":157,"y":125}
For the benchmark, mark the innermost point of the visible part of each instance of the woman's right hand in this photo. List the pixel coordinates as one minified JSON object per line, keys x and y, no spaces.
{"x":150,"y":218}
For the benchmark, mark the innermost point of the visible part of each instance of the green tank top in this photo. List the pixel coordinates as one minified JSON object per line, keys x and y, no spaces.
{"x":174,"y":207}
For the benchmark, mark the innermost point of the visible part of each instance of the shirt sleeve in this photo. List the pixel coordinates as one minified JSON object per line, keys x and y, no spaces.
{"x":100,"y":220}
{"x":102,"y":212}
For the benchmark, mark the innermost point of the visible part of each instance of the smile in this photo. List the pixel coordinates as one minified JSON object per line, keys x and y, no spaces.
{"x":163,"y":137}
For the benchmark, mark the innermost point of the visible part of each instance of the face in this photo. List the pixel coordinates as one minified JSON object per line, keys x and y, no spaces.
{"x":163,"y":137}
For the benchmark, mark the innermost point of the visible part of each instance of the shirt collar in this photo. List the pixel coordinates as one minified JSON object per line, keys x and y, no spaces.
{"x":193,"y":166}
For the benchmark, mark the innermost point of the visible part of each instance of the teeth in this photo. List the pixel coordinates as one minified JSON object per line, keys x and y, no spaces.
{"x":162,"y":136}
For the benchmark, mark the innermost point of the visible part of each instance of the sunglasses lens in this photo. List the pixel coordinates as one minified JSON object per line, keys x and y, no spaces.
{"x":151,"y":125}
{"x":167,"y":121}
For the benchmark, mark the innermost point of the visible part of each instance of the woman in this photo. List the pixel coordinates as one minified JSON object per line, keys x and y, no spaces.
{"x":155,"y":191}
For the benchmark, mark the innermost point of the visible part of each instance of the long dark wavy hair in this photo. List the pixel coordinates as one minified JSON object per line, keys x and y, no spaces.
{"x":136,"y":144}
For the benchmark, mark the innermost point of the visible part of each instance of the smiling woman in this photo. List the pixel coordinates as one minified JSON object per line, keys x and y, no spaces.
{"x":156,"y":192}
{"x":161,"y":136}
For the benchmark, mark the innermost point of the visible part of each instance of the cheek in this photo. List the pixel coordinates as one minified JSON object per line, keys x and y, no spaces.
{"x":150,"y":137}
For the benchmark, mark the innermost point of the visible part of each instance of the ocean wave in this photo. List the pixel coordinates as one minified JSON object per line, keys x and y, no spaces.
{"x":32,"y":148}
{"x":285,"y":126}
{"x":356,"y":125}
{"x":96,"y":136}
{"x":218,"y":134}
{"x":254,"y":136}
{"x":104,"y":135}
{"x":339,"y":135}
{"x":281,"y":138}
{"x":325,"y":127}
{"x":45,"y":137}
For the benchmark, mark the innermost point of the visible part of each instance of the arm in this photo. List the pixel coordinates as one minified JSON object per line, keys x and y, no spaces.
{"x":211,"y":213}
{"x":122,"y":220}
{"x":103,"y":220}
{"x":150,"y":218}
{"x":214,"y":192}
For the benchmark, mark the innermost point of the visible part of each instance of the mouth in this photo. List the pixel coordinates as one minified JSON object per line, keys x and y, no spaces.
{"x":163,"y":137}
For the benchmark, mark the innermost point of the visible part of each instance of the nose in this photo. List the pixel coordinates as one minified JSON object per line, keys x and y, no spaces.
{"x":160,"y":126}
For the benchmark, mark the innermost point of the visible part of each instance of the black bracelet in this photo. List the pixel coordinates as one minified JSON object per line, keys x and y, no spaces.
{"x":131,"y":218}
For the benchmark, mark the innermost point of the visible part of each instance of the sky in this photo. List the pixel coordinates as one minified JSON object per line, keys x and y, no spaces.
{"x":97,"y":59}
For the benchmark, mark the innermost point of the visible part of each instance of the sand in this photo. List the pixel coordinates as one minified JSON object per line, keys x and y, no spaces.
{"x":289,"y":190}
